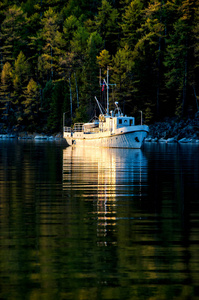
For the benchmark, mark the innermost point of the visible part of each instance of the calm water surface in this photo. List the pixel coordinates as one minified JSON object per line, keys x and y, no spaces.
{"x":92,"y":224}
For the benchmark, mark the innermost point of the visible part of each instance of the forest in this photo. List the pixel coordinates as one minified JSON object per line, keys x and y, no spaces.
{"x":54,"y":55}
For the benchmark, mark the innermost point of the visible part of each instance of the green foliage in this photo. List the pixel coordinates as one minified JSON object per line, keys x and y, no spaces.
{"x":178,"y":55}
{"x":52,"y":43}
{"x":121,"y":69}
{"x":51,"y":53}
{"x":104,"y":60}
{"x":21,"y":73}
{"x":107,"y":25}
{"x":81,"y":115}
{"x":131,"y":23}
{"x":6,"y":93}
{"x":54,"y":121}
{"x":148,"y":115}
{"x":12,"y":33}
{"x":31,"y":105}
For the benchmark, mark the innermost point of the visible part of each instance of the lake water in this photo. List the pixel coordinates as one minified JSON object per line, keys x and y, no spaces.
{"x":111,"y":224}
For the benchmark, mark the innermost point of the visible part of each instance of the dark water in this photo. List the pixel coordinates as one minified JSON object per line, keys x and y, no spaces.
{"x":98,"y":223}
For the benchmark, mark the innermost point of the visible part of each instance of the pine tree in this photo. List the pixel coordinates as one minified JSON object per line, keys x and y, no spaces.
{"x":178,"y":57}
{"x":12,"y":33}
{"x":52,"y":37}
{"x":195,"y":65}
{"x":148,"y":54}
{"x":132,"y":18}
{"x":6,"y":90}
{"x":31,"y":104}
{"x":21,"y":76}
{"x":70,"y":26}
{"x":121,"y":75}
{"x":54,"y":121}
{"x":94,"y":45}
{"x":104,"y":60}
{"x":107,"y":25}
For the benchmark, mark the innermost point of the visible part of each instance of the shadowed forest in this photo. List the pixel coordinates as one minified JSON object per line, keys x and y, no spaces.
{"x":54,"y":56}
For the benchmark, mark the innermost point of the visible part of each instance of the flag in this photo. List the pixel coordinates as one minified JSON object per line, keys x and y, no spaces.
{"x":103,"y":85}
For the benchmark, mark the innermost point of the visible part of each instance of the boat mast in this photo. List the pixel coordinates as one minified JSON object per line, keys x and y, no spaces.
{"x":107,"y":93}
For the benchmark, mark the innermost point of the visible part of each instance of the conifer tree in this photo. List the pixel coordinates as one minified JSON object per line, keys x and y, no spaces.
{"x":131,"y":22}
{"x":21,"y":76}
{"x":12,"y":33}
{"x":6,"y":90}
{"x":104,"y":60}
{"x":52,"y":43}
{"x":54,"y":122}
{"x":121,"y":75}
{"x":31,"y":104}
{"x":178,"y":56}
{"x":94,"y":45}
{"x":107,"y":25}
{"x":148,"y":54}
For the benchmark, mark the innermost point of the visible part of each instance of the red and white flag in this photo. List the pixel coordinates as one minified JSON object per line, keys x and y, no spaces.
{"x":103,"y":85}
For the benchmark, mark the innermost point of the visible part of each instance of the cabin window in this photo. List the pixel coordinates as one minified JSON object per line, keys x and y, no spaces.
{"x":131,"y":122}
{"x":125,"y":121}
{"x":120,"y":121}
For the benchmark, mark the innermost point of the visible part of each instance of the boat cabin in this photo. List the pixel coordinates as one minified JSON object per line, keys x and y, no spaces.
{"x":113,"y":122}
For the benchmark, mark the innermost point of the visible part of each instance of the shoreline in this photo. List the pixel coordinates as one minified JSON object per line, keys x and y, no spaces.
{"x":31,"y":136}
{"x":171,"y":130}
{"x":175,"y":131}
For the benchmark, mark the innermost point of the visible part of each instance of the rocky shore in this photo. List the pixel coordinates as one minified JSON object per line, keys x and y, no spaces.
{"x":31,"y":136}
{"x":168,"y":131}
{"x":173,"y":130}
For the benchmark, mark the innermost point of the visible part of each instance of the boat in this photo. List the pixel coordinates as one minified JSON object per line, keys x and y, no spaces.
{"x":110,"y":130}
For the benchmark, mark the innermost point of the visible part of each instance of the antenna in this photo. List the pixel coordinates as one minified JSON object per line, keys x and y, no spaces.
{"x":107,"y":86}
{"x":107,"y":92}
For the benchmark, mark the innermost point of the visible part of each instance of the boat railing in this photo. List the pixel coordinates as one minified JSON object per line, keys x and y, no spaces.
{"x":78,"y":127}
{"x":67,"y":129}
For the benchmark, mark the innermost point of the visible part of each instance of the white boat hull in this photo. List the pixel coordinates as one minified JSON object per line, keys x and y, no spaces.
{"x":122,"y":139}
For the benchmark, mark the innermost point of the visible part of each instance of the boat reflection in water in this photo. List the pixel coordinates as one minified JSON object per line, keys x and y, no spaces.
{"x":132,"y":214}
{"x":110,"y":178}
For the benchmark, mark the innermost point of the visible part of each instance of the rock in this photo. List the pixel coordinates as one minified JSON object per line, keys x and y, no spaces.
{"x":165,"y":131}
{"x":162,"y":140}
{"x":155,"y":140}
{"x":184,"y":140}
{"x":171,"y":140}
{"x":148,"y":140}
{"x":8,"y":136}
{"x":41,"y":137}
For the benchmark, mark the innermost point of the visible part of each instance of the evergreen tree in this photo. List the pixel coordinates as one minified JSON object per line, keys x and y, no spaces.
{"x":55,"y":118}
{"x":121,"y":75}
{"x":6,"y":90}
{"x":195,"y":65}
{"x":179,"y":55}
{"x":12,"y":33}
{"x":104,"y":61}
{"x":21,"y":76}
{"x":131,"y":23}
{"x":150,"y":47}
{"x":148,"y":55}
{"x":31,"y":104}
{"x":52,"y":37}
{"x":94,"y":45}
{"x":107,"y":25}
{"x":70,"y":26}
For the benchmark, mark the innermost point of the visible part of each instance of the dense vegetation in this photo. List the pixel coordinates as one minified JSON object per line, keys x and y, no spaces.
{"x":52,"y":53}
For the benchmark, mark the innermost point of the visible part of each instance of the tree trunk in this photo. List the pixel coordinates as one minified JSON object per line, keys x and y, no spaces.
{"x":71,"y":104}
{"x":184,"y":87}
